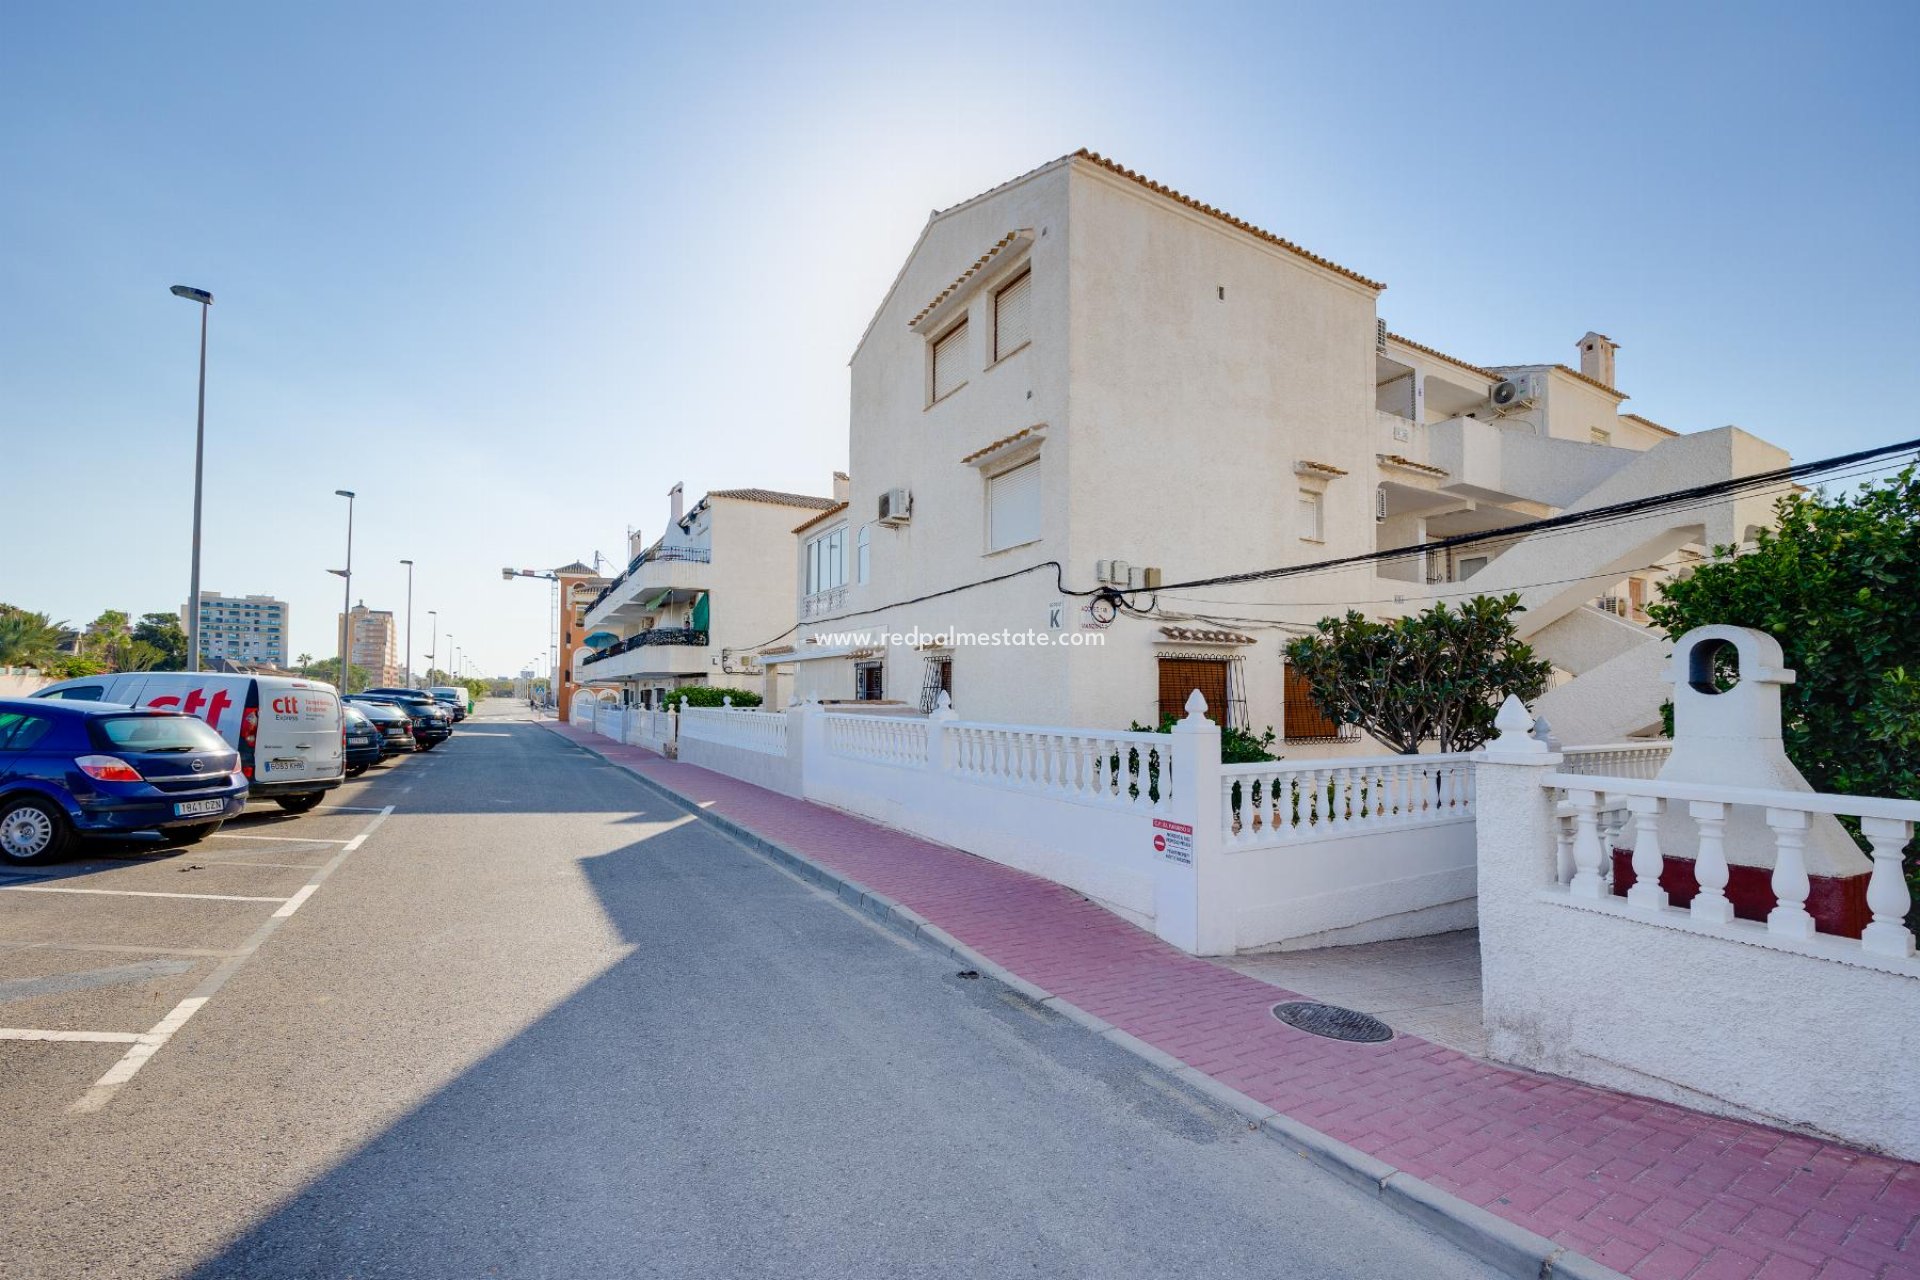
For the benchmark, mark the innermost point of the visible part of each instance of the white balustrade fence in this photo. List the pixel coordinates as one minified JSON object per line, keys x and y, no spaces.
{"x":1125,"y":770}
{"x":749,"y":730}
{"x":895,"y":740}
{"x":647,"y":728}
{"x":1588,"y":807}
{"x":1618,"y":760}
{"x":1283,"y":803}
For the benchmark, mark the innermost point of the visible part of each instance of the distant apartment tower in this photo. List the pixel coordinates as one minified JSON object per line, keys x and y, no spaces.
{"x":242,"y":628}
{"x":374,"y":645}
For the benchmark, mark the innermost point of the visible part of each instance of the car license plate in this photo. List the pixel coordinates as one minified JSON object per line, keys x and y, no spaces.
{"x":187,"y":808}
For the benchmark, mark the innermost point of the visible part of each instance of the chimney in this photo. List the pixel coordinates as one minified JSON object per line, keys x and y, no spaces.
{"x":842,"y":487}
{"x":676,"y":496}
{"x":1596,"y":357}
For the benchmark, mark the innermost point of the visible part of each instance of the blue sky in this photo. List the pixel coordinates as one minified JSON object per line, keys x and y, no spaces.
{"x":509,"y":271}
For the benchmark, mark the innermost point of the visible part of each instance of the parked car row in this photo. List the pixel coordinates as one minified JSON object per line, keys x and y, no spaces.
{"x":178,"y":753}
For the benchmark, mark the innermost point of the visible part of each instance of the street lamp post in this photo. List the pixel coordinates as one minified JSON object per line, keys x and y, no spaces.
{"x":346,"y":601}
{"x":409,"y":564}
{"x":434,"y":648}
{"x":451,"y":650}
{"x":205,"y":300}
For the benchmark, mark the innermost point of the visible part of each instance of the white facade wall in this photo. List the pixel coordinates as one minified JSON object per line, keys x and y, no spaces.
{"x":1181,"y":374}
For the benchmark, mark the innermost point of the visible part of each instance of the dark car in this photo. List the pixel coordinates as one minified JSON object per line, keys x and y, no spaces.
{"x":432,"y":723}
{"x":362,"y":741}
{"x":75,"y":769}
{"x":393,"y":727}
{"x":454,"y":698}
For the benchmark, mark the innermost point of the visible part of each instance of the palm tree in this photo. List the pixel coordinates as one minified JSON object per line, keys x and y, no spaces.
{"x":28,"y":639}
{"x":305,"y":660}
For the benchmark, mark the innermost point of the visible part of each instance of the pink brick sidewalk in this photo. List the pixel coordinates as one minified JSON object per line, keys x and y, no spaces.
{"x":1653,"y":1190}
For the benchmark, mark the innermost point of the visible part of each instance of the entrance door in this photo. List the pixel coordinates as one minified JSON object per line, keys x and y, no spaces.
{"x":1179,"y":677}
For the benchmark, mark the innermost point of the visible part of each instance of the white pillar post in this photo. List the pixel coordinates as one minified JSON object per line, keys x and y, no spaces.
{"x":1192,"y":901}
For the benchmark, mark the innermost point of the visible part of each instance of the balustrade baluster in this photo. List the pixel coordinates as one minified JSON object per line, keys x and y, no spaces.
{"x":1790,"y":886}
{"x":1887,"y":894}
{"x":1586,"y":881}
{"x":1710,"y":864}
{"x":1648,"y":860}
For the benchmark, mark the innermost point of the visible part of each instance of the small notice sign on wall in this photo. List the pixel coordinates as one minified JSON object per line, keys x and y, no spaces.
{"x":1173,"y":841}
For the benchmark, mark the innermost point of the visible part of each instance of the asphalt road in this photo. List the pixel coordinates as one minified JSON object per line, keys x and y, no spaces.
{"x":541,"y":1024}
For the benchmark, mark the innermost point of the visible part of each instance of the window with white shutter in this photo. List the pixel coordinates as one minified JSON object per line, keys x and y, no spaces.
{"x":1312,"y":516}
{"x":1013,"y":507}
{"x":1012,"y":325}
{"x":950,"y":361}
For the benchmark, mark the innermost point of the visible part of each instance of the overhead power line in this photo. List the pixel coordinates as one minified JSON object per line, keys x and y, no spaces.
{"x":1737,"y":486}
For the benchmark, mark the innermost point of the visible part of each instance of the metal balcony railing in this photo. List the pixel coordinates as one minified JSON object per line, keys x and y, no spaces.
{"x":691,"y":555}
{"x":658,"y":635}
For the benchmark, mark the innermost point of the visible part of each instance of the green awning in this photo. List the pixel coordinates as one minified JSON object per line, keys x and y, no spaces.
{"x":700,"y":612}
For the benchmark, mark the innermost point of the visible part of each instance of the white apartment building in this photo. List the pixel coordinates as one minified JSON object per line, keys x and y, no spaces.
{"x":1082,"y":379}
{"x":694,"y":604}
{"x":375,"y":645}
{"x":241,"y":628}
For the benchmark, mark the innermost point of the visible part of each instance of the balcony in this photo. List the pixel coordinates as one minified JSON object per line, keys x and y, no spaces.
{"x":647,"y":575}
{"x":653,"y":654}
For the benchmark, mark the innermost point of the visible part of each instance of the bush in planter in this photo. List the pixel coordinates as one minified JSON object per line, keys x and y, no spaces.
{"x":711,"y":695}
{"x":1237,"y":746}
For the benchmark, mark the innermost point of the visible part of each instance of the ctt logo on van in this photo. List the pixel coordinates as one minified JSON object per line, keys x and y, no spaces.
{"x":287,"y":705}
{"x":195,"y":700}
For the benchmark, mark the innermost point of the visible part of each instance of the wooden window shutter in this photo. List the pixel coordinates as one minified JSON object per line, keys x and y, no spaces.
{"x":1179,"y":677}
{"x":1303,"y":719}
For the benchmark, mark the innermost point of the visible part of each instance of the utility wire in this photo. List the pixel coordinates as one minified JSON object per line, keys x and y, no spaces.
{"x":1612,"y":513}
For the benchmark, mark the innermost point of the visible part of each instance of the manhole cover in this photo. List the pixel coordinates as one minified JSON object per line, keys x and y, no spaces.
{"x":1333,"y":1022}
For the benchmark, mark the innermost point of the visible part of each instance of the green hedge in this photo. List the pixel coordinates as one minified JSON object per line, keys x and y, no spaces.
{"x":711,"y":695}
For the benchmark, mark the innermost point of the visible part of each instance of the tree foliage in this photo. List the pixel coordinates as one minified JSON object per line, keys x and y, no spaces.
{"x":1237,"y":746}
{"x":711,"y":695}
{"x":328,"y":669}
{"x":1837,"y":583}
{"x":163,"y":634}
{"x":29,"y":639}
{"x":1437,"y":676}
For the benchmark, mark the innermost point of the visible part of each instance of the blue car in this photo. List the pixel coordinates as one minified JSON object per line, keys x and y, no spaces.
{"x":74,"y":769}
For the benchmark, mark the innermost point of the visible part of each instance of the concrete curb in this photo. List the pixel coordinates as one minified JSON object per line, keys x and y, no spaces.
{"x":1509,"y":1247}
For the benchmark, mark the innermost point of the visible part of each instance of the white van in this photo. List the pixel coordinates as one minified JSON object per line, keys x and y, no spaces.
{"x":290,"y":733}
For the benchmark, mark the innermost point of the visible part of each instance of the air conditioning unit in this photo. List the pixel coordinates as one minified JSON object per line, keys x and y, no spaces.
{"x":896,"y":506}
{"x":1516,"y":392}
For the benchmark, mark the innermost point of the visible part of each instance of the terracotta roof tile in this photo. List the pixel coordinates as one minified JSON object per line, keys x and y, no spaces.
{"x":1257,"y":232}
{"x":1318,"y":468}
{"x":1395,"y":460}
{"x":1001,"y":443}
{"x":830,"y":512}
{"x":1205,"y":635}
{"x":1441,"y":355}
{"x":1649,"y":422}
{"x":774,"y":496}
{"x":1500,"y":370}
{"x":999,"y":246}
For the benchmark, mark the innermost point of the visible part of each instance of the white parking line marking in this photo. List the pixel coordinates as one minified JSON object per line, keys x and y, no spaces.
{"x":288,"y":839}
{"x":350,"y":808}
{"x":79,"y":1037}
{"x":147,"y":1045}
{"x":293,"y":904}
{"x":278,"y":866}
{"x":136,"y":893}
